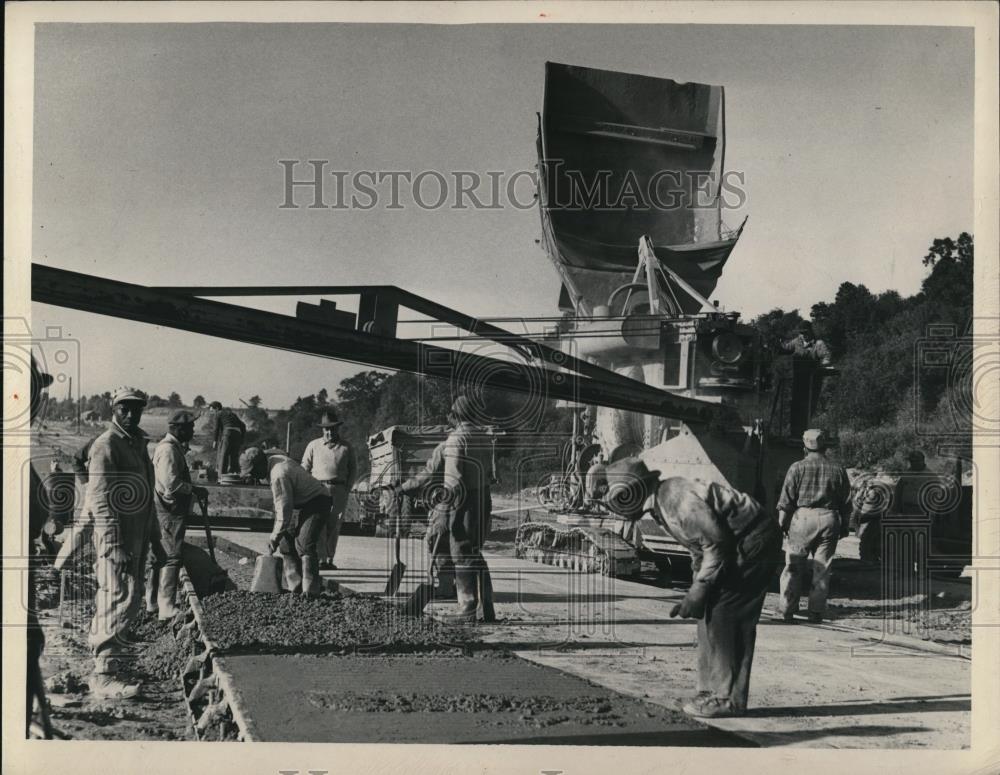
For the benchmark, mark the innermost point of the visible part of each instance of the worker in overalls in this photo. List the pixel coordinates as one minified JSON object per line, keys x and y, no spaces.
{"x":229,"y":433}
{"x":735,"y":552}
{"x":120,"y":490}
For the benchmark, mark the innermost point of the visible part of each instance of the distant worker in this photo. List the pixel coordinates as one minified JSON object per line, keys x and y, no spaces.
{"x":427,"y":485}
{"x":880,"y":502}
{"x":174,"y":495}
{"x":813,"y":512}
{"x":331,"y":460}
{"x":467,"y":480}
{"x":120,"y":497}
{"x":229,"y":433}
{"x":735,"y":549}
{"x":806,"y":345}
{"x":295,"y":540}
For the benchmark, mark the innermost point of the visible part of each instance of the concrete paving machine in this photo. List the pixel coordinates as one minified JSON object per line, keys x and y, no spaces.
{"x":631,"y":193}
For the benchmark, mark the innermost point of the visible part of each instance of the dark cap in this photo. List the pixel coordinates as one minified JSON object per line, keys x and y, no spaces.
{"x":40,"y":380}
{"x":805,"y":327}
{"x":181,"y":417}
{"x":215,"y":405}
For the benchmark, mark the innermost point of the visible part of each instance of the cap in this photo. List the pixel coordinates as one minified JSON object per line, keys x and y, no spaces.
{"x":462,"y":409}
{"x":122,"y":394}
{"x":249,"y":458}
{"x":627,"y":482}
{"x":181,"y":417}
{"x":916,"y":456}
{"x":815,"y":439}
{"x":805,"y":326}
{"x":329,"y":419}
{"x":215,"y":405}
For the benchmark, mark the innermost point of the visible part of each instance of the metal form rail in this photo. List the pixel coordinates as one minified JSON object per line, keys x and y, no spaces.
{"x":214,"y":703}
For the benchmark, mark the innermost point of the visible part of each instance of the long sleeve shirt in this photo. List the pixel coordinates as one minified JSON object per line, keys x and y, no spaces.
{"x":816,"y":349}
{"x":431,"y":473}
{"x":291,"y":486}
{"x":120,"y":490}
{"x":173,"y":477}
{"x":816,"y":482}
{"x":331,"y":461}
{"x":467,"y":459}
{"x":709,"y":534}
{"x":228,"y":421}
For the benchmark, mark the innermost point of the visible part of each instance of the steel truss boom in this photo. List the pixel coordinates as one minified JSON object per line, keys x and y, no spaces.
{"x":178,"y":308}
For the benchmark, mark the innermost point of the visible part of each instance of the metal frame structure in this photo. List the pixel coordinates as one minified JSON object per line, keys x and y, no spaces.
{"x":542,"y":371}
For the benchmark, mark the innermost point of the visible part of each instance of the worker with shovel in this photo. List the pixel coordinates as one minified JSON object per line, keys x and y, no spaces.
{"x":427,"y":485}
{"x":735,"y":551}
{"x":296,"y":540}
{"x":173,"y":498}
{"x":467,"y":480}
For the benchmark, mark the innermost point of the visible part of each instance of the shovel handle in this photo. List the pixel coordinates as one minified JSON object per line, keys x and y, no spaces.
{"x":203,"y":503}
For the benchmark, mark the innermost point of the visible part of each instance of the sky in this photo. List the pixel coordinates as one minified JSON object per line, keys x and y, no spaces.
{"x":156,"y":152}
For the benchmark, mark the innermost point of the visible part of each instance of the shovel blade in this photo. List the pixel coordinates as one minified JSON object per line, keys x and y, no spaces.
{"x":395,"y":579}
{"x":421,"y":596}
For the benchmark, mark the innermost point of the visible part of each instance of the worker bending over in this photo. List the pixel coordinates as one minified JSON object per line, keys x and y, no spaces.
{"x":295,"y":539}
{"x":735,"y":552}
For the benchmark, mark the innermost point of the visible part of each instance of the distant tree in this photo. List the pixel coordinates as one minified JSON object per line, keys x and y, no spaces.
{"x":199,"y":402}
{"x":174,"y":400}
{"x":155,"y":401}
{"x":322,"y":397}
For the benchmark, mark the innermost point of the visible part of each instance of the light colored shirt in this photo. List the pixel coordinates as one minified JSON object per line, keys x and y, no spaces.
{"x":331,"y":460}
{"x":710,"y":536}
{"x":173,"y":478}
{"x":815,"y":349}
{"x":291,"y":486}
{"x":467,"y":459}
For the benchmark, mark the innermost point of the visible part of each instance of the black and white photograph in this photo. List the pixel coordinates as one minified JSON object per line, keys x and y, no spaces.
{"x":582,"y":383}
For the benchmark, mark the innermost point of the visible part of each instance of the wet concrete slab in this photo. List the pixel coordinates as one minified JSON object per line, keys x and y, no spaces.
{"x":457,"y":700}
{"x":813,"y":686}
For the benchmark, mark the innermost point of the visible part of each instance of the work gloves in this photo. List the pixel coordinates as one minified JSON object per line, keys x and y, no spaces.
{"x":694,"y":602}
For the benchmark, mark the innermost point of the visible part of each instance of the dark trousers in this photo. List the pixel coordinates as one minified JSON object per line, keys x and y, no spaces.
{"x":313,"y":515}
{"x":229,"y":451}
{"x":870,"y":540}
{"x":167,"y":540}
{"x":728,"y":632}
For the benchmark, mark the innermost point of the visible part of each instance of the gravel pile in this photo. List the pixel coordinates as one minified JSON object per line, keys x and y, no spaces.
{"x":333,"y":622}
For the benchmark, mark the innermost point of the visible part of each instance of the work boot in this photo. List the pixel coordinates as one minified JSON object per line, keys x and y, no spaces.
{"x":467,"y":592}
{"x":167,"y":596}
{"x":446,"y":586}
{"x":312,"y":583}
{"x":486,"y":611}
{"x":710,"y":707}
{"x":292,"y":567}
{"x":106,"y":686}
{"x":152,"y":584}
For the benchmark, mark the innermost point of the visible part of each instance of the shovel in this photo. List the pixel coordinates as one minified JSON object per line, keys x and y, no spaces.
{"x":424,"y":593}
{"x":396,"y":574}
{"x":203,"y":503}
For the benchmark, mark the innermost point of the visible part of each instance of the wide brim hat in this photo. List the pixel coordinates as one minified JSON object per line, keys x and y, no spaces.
{"x":249,"y":459}
{"x":329,"y":419}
